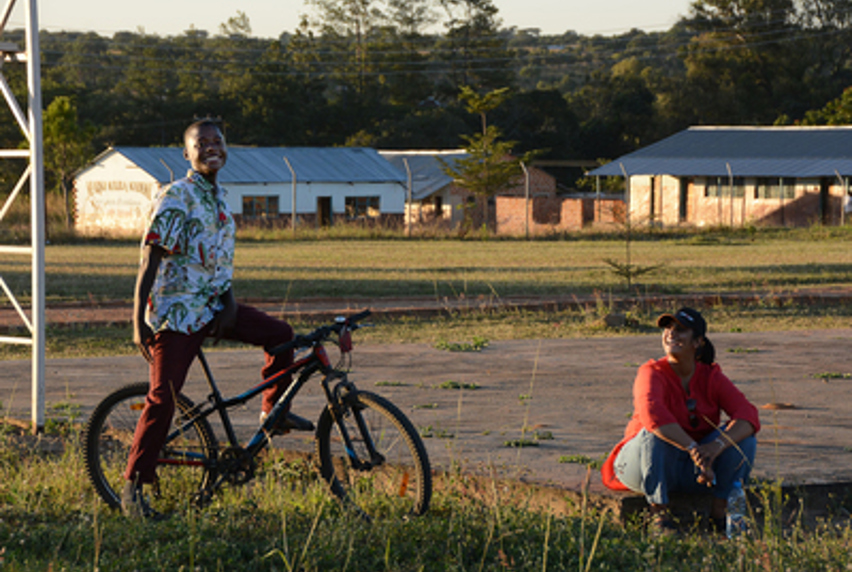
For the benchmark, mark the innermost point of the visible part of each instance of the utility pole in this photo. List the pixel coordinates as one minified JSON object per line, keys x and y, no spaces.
{"x":526,"y":201}
{"x":409,"y":203}
{"x":293,"y":196}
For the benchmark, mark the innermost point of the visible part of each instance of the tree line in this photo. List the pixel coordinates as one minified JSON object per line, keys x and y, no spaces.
{"x":388,"y":74}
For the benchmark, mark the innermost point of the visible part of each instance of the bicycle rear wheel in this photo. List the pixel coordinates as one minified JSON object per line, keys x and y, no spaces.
{"x":186,"y":463}
{"x":395,"y":479}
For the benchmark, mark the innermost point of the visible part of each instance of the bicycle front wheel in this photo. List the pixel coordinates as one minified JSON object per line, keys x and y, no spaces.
{"x":385,"y":469}
{"x":186,"y":463}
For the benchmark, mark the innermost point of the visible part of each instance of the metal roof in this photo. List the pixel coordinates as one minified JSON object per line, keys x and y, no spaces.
{"x":427,"y":170}
{"x":267,"y":165}
{"x":748,"y":151}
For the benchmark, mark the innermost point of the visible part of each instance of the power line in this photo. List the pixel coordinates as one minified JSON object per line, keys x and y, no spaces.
{"x":404,"y":67}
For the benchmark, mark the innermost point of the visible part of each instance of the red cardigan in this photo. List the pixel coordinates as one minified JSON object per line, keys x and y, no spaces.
{"x":659,"y":399}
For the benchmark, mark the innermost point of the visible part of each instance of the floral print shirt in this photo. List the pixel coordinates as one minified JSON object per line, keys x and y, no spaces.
{"x":193,"y":224}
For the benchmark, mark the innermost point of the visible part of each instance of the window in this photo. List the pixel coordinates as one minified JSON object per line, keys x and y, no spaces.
{"x":260,"y":207}
{"x":362,"y":207}
{"x":721,"y":187}
{"x":775,"y":188}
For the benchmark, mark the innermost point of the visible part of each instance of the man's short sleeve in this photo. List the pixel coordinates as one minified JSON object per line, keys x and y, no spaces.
{"x":166,"y":228}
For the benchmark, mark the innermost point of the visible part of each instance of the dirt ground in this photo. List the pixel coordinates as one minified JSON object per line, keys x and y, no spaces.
{"x":533,"y":411}
{"x":571,"y":398}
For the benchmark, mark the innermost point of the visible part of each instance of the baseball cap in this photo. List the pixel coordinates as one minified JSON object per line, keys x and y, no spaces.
{"x":688,"y":318}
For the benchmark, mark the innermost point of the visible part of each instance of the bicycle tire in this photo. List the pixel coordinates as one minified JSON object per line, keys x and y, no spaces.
{"x":402,"y":484}
{"x":109,"y":435}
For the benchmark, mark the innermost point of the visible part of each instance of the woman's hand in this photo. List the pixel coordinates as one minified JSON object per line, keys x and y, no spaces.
{"x":704,"y":456}
{"x":708,"y":452}
{"x":703,"y":460}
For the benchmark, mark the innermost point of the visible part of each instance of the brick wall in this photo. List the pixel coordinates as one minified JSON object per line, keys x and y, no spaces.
{"x":658,"y":200}
{"x":548,"y":215}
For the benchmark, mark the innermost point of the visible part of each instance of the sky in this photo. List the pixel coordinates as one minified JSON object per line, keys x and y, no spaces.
{"x":269,"y":18}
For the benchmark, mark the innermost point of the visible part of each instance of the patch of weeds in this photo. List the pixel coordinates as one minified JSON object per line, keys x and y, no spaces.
{"x":743,"y":350}
{"x":425,"y":406}
{"x":533,"y":441}
{"x":391,"y":384}
{"x":66,"y":410}
{"x":736,"y":330}
{"x":61,"y":419}
{"x":429,"y":432}
{"x":832,"y":375}
{"x":630,"y":271}
{"x":582,"y":460}
{"x":520,"y":443}
{"x":457,"y":385}
{"x":57,"y":427}
{"x":477,"y":345}
{"x":847,"y":449}
{"x":524,"y":397}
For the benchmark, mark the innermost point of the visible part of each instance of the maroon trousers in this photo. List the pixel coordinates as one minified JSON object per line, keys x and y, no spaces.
{"x":172,"y":354}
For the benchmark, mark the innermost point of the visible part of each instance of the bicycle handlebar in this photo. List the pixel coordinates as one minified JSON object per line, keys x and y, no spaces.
{"x":320,"y":334}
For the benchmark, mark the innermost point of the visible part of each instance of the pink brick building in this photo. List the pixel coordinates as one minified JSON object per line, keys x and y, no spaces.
{"x":436,"y":200}
{"x":738,"y":176}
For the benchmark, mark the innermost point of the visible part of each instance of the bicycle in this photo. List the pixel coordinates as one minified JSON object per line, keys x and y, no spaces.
{"x":364,"y":444}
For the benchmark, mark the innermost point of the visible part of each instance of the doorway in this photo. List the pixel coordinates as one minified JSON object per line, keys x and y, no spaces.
{"x":323,"y":211}
{"x":824,"y":211}
{"x":683,"y":200}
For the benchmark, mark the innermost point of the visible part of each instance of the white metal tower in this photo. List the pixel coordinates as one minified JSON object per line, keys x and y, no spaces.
{"x":32,"y":173}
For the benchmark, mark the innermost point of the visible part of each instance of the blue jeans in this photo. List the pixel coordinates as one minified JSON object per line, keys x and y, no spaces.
{"x":655,"y":468}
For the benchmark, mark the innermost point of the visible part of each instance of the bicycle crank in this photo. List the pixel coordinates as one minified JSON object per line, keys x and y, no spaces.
{"x":237,"y":466}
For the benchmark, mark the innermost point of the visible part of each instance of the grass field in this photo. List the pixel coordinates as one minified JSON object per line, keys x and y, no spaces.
{"x":50,"y":520}
{"x":362,"y":269}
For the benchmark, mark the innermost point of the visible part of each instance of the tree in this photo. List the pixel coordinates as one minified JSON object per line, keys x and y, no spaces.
{"x":540,"y":118}
{"x":835,"y":112}
{"x":67,"y":145}
{"x":411,"y":17}
{"x":349,"y":25}
{"x":473,"y":47}
{"x":489,"y":166}
{"x":618,"y":111}
{"x":746,"y":61}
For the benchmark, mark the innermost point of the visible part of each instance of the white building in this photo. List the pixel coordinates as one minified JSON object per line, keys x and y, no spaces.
{"x":114,"y":193}
{"x":433,"y":195}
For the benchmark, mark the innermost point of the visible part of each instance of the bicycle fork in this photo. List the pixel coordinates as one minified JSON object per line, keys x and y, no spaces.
{"x":342,"y":399}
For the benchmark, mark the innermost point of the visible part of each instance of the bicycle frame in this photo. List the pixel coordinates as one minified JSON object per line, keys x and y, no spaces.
{"x":315,"y":360}
{"x":217,"y":403}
